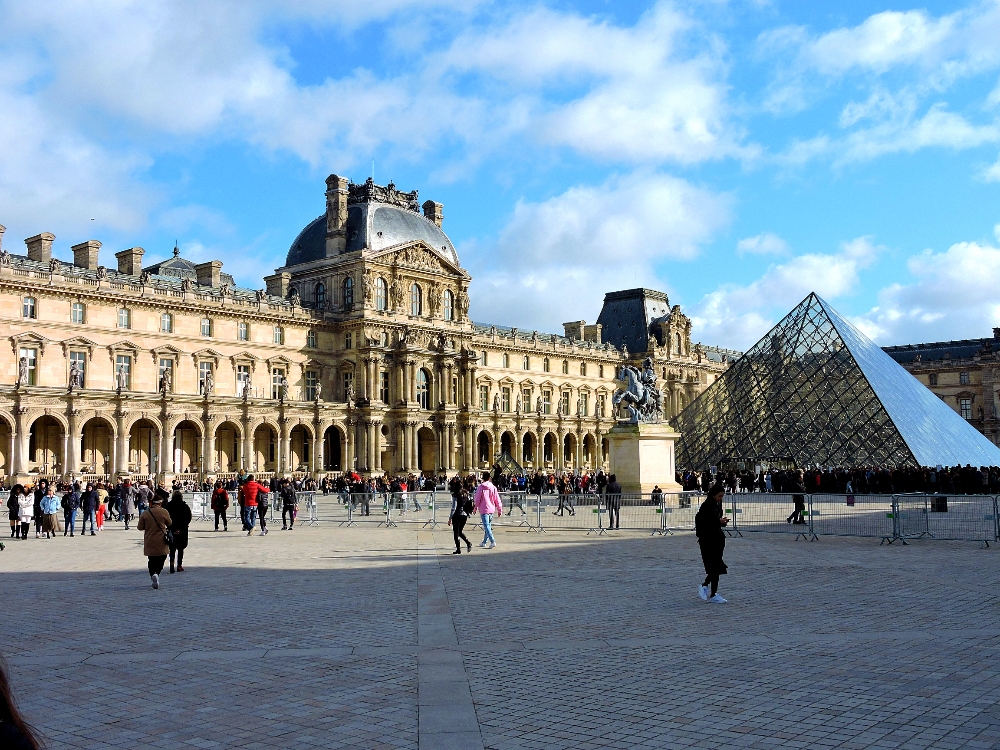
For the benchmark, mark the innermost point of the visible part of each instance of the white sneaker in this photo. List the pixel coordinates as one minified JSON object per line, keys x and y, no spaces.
{"x":263,"y":532}
{"x":482,"y":544}
{"x":703,"y":593}
{"x":156,"y":581}
{"x":717,"y":599}
{"x":492,"y":545}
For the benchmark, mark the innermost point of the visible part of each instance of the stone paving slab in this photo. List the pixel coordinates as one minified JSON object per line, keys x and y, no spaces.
{"x":380,"y":638}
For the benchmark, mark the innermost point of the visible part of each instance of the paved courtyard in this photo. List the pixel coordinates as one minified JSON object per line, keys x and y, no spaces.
{"x":380,"y":638}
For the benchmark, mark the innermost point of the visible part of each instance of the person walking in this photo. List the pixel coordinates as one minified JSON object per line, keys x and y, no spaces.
{"x":50,"y":512}
{"x":613,"y":501}
{"x":251,"y":491}
{"x":26,"y":511}
{"x":180,"y":519}
{"x":220,"y":504}
{"x":90,"y":504}
{"x":263,"y":506}
{"x":799,"y":498}
{"x":126,"y":500}
{"x":708,"y":525}
{"x":461,"y":507}
{"x":289,"y":505}
{"x":14,"y":510}
{"x":565,"y":501}
{"x":70,"y":504}
{"x":39,"y":517}
{"x":487,"y":502}
{"x":154,"y":524}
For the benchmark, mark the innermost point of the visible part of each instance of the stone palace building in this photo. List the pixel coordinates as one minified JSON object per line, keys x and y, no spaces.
{"x":357,"y":354}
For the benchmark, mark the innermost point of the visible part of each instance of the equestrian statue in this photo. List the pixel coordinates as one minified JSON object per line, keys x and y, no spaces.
{"x":639,"y":394}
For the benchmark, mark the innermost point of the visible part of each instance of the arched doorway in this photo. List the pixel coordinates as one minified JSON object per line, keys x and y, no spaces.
{"x":97,"y":441}
{"x":507,"y":444}
{"x":426,"y":451}
{"x":187,"y":448}
{"x":265,"y":448}
{"x":528,"y":449}
{"x":549,"y":448}
{"x":6,"y":435}
{"x":588,"y":450}
{"x":300,"y":458}
{"x":484,"y":452}
{"x":46,"y":441}
{"x":569,"y":449}
{"x":227,"y":447}
{"x":143,"y":454}
{"x":333,"y":458}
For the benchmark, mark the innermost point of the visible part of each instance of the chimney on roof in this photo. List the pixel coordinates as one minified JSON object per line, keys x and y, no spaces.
{"x":209,"y":273}
{"x":278,"y":284}
{"x":130,"y":261}
{"x":575,"y":329}
{"x":336,"y":215}
{"x":434,"y":212}
{"x":40,"y":247}
{"x":4,"y":229}
{"x":996,"y":332}
{"x":85,"y":254}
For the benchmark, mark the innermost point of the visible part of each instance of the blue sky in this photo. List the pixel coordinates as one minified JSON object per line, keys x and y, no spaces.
{"x":736,"y":154}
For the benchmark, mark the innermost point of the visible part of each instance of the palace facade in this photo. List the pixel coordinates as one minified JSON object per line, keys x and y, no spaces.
{"x":358,"y":353}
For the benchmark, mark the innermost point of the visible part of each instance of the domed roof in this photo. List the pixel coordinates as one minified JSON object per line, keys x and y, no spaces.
{"x":372,"y":225}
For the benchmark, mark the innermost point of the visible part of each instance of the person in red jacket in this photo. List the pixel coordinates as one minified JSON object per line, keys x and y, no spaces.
{"x":251,"y":488}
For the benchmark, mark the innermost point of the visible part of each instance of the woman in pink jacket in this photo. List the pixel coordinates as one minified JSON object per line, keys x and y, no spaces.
{"x":487,"y":502}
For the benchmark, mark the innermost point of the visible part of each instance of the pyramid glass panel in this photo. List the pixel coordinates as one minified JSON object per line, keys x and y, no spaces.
{"x":816,"y":391}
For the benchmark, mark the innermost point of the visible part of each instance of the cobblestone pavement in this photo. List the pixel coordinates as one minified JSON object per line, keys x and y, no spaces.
{"x":380,"y":638}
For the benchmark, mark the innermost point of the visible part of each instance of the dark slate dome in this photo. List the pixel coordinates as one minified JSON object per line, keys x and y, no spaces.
{"x":373,"y":225}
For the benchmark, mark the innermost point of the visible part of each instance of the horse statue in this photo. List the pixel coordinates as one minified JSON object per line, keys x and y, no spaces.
{"x":639,"y":394}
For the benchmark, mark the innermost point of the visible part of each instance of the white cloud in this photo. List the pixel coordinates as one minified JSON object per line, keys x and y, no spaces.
{"x":766,"y":243}
{"x":555,"y":259}
{"x":991,"y":173}
{"x":953,"y":296}
{"x":737,"y":316}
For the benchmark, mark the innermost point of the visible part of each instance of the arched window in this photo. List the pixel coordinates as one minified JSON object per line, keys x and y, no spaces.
{"x":583,"y":369}
{"x":423,"y":389}
{"x":679,"y":344}
{"x":449,"y":305}
{"x":320,"y":294}
{"x":416,"y":300}
{"x":381,"y":294}
{"x":525,"y":363}
{"x":565,"y":367}
{"x":348,"y":293}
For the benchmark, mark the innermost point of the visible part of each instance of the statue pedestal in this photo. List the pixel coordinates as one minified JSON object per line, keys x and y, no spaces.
{"x":642,"y":456}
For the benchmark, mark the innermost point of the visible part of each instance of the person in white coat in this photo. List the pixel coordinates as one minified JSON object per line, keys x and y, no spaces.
{"x":26,"y":511}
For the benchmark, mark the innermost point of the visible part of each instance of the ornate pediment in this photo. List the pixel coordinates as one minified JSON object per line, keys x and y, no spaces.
{"x":418,"y":256}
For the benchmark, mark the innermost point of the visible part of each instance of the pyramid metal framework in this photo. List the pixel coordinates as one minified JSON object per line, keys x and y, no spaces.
{"x":819,"y":392}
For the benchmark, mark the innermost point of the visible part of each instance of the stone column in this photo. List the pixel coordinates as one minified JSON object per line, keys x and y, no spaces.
{"x":121,"y":457}
{"x":166,"y":449}
{"x":411,"y":375}
{"x":468,"y":448}
{"x":579,"y":449}
{"x":370,"y":446}
{"x":559,"y":455}
{"x":286,"y":447}
{"x":451,"y":448}
{"x":208,"y":460}
{"x":73,"y":446}
{"x":349,"y":452}
{"x":247,"y":457}
{"x":598,"y":449}
{"x":403,"y":448}
{"x":377,"y":446}
{"x":404,"y":381}
{"x":21,"y":457}
{"x":317,"y":453}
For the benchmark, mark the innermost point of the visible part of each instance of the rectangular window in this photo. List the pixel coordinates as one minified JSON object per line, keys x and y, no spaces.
{"x":279,"y":335}
{"x":311,"y":339}
{"x":564,"y":402}
{"x":526,"y":404}
{"x":124,"y":362}
{"x":546,"y":402}
{"x":204,"y":369}
{"x":454,"y":389}
{"x":965,"y":408}
{"x":484,"y":397}
{"x":242,"y":331}
{"x":600,"y":371}
{"x":206,"y":327}
{"x":600,"y":407}
{"x":31,"y":357}
{"x":348,"y":384}
{"x":311,"y":380}
{"x":383,"y":388}
{"x":166,"y":364}
{"x":124,"y":318}
{"x":81,"y":364}
{"x":932,"y":378}
{"x":167,"y":323}
{"x":77,"y":312}
{"x":583,"y":369}
{"x":28,"y":308}
{"x":505,"y":398}
{"x":242,"y":377}
{"x":584,"y":404}
{"x":277,"y":375}
{"x":348,"y":341}
{"x":485,"y":359}
{"x":963,"y":378}
{"x":505,"y":360}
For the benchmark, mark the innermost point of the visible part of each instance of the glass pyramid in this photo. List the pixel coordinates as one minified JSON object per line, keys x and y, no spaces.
{"x":817,"y":391}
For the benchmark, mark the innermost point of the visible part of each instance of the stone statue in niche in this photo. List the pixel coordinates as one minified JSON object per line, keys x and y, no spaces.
{"x":22,"y":371}
{"x":166,"y":379}
{"x":121,"y":378}
{"x":75,"y":376}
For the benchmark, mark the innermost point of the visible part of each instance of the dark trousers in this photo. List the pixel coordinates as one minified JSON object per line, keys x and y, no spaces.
{"x":458,"y":530}
{"x":614,"y":515}
{"x":566,"y":501}
{"x":225,"y":522}
{"x":179,"y":552}
{"x":262,"y":516}
{"x":24,"y":529}
{"x":713,"y":581}
{"x":155,"y":564}
{"x":288,"y":512}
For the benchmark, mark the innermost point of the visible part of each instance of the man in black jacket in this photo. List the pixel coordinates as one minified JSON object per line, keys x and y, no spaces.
{"x":708,"y":524}
{"x":613,"y":501}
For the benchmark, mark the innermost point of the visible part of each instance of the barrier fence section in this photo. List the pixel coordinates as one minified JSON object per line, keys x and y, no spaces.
{"x":954,"y":517}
